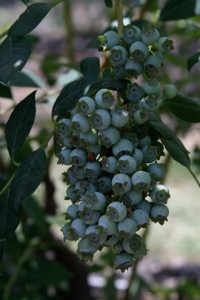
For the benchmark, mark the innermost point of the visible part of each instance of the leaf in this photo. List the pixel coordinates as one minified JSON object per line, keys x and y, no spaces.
{"x":5,"y":91}
{"x":14,"y":54}
{"x":194,"y":59}
{"x":108,"y":3}
{"x":26,"y":2}
{"x":90,"y":67}
{"x":26,"y":79}
{"x":29,"y":19}
{"x":28,"y":176}
{"x":108,"y":83}
{"x":173,"y":145}
{"x":19,"y":125}
{"x":179,"y":9}
{"x":69,"y":95}
{"x":185,"y":108}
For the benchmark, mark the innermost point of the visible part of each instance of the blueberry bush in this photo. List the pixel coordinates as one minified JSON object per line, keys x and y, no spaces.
{"x":107,"y":130}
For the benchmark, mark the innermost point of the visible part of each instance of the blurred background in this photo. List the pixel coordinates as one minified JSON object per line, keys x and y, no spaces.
{"x":37,"y":263}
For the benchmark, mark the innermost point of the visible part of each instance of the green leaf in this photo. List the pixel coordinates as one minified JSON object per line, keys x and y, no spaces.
{"x":29,"y":19}
{"x":185,"y":108}
{"x":108,"y":83}
{"x":179,"y":9}
{"x":194,"y":59}
{"x":28,"y":176}
{"x":14,"y":54}
{"x":173,"y":145}
{"x":19,"y":125}
{"x":108,"y":3}
{"x":70,"y":95}
{"x":5,"y":91}
{"x":90,"y":67}
{"x":26,"y":2}
{"x":26,"y":79}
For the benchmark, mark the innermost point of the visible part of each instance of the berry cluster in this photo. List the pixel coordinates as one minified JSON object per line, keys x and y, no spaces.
{"x":114,"y":177}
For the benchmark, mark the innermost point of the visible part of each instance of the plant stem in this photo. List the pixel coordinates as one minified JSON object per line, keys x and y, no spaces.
{"x":119,"y":11}
{"x":194,"y":176}
{"x":4,"y":33}
{"x":7,"y":184}
{"x":67,"y":14}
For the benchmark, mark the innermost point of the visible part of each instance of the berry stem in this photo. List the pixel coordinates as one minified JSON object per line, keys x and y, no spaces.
{"x":194,"y":176}
{"x":119,"y":11}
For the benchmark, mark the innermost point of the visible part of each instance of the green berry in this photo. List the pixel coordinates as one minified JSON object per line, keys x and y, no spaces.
{"x":169,"y":91}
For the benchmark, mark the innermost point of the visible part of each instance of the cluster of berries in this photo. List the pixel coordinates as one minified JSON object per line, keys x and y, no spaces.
{"x":113,"y":176}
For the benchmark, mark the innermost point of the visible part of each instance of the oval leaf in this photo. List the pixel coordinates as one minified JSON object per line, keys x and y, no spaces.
{"x":90,"y":67}
{"x":26,"y":78}
{"x":29,"y":19}
{"x":185,"y":108}
{"x":19,"y":125}
{"x":194,"y":59}
{"x":28,"y":176}
{"x":5,"y":91}
{"x":14,"y":54}
{"x":179,"y":9}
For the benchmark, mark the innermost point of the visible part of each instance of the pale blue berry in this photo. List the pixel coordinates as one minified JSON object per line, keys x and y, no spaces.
{"x":119,"y":118}
{"x":134,"y":197}
{"x":100,"y":119}
{"x":66,"y":142}
{"x":104,"y":184}
{"x":116,"y":211}
{"x":138,"y":156}
{"x":141,"y":217}
{"x":134,"y":92}
{"x":152,"y":64}
{"x":123,"y":261}
{"x":78,"y":228}
{"x":67,"y":233}
{"x":126,"y":228}
{"x":141,"y":180}
{"x":165,"y":45}
{"x":160,"y":194}
{"x":109,"y":39}
{"x":119,"y":72}
{"x":159,"y":213}
{"x":109,"y":164}
{"x":107,"y":225}
{"x":144,"y":205}
{"x":63,"y":127}
{"x":96,"y":149}
{"x":96,"y":200}
{"x":92,"y":169}
{"x":71,"y":194}
{"x":80,"y":123}
{"x":90,"y":137}
{"x":157,"y":171}
{"x":131,"y":34}
{"x":121,"y":184}
{"x":152,"y":87}
{"x":85,"y":105}
{"x":150,"y":35}
{"x":109,"y":136}
{"x":111,"y":241}
{"x":78,"y":157}
{"x":104,"y":98}
{"x":118,"y":247}
{"x":123,"y":147}
{"x":140,"y":117}
{"x":70,"y":177}
{"x":135,"y":246}
{"x":144,"y":141}
{"x":85,"y":249}
{"x":118,"y":55}
{"x":150,"y":103}
{"x":64,"y":157}
{"x":72,"y":211}
{"x":89,"y":216}
{"x":79,"y":172}
{"x":139,"y":51}
{"x":84,"y":187}
{"x":126,"y":164}
{"x":149,"y":153}
{"x":96,"y":236}
{"x":133,"y":68}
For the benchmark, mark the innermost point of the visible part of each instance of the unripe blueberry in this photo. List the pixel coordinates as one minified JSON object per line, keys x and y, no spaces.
{"x":160,"y":194}
{"x":135,"y":246}
{"x":80,"y":123}
{"x":165,"y":45}
{"x":104,"y":184}
{"x":78,"y":228}
{"x":159,"y":213}
{"x":123,"y":147}
{"x":116,"y":211}
{"x":123,"y":261}
{"x":96,"y":236}
{"x":134,"y":197}
{"x":63,"y":127}
{"x":152,"y":87}
{"x":109,"y":164}
{"x":92,"y":169}
{"x":118,"y":55}
{"x":90,"y":137}
{"x":131,"y":34}
{"x":150,"y":35}
{"x":85,"y":249}
{"x":72,"y":194}
{"x":126,"y":228}
{"x":156,"y":170}
{"x":72,"y":211}
{"x":107,"y":225}
{"x":109,"y":136}
{"x":134,"y":92}
{"x":67,"y":233}
{"x":85,"y":105}
{"x":139,"y":51}
{"x":109,"y":39}
{"x":149,"y":154}
{"x":100,"y":119}
{"x":141,"y":217}
{"x":138,"y":156}
{"x":169,"y":91}
{"x":119,"y":118}
{"x":141,"y":180}
{"x":144,"y":205}
{"x":121,"y":184}
{"x":64,"y":157}
{"x":133,"y":68}
{"x":126,"y":164}
{"x":78,"y":157}
{"x":96,"y":200}
{"x":150,"y":103}
{"x":104,"y":98}
{"x":152,"y":64}
{"x":140,"y":117}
